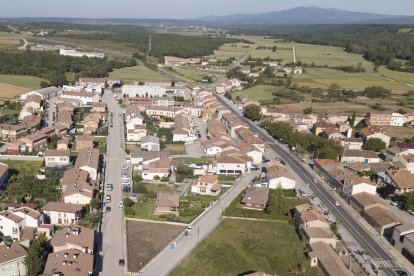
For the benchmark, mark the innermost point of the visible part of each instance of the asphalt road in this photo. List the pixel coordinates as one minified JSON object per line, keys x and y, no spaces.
{"x":355,"y":229}
{"x":113,"y":225}
{"x":167,"y":259}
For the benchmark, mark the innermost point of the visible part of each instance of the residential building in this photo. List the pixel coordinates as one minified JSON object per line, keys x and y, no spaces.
{"x":69,"y":262}
{"x":82,"y":97}
{"x":12,"y":260}
{"x":323,"y":256}
{"x":136,"y":134}
{"x":76,"y":188}
{"x":163,"y":101}
{"x":352,"y":143}
{"x":74,"y":237}
{"x":62,"y":144}
{"x":154,"y":111}
{"x":85,"y":82}
{"x":313,"y":235}
{"x":159,"y":167}
{"x":320,"y":126}
{"x":398,"y":119}
{"x":91,"y":123}
{"x":382,"y":220}
{"x":58,"y":213}
{"x":278,"y":175}
{"x":57,"y":158}
{"x":33,"y":142}
{"x":255,"y":198}
{"x":397,"y":181}
{"x":31,"y":217}
{"x":332,"y":133}
{"x":147,"y":91}
{"x":167,"y":203}
{"x":363,"y":156}
{"x":364,"y":201}
{"x":45,"y":93}
{"x":216,"y":145}
{"x":11,"y":224}
{"x":407,"y":160}
{"x":403,"y":240}
{"x":379,"y":118}
{"x":206,"y":185}
{"x":134,"y":121}
{"x":354,"y":184}
{"x":99,"y":107}
{"x":88,"y":160}
{"x":233,"y":165}
{"x":375,"y":132}
{"x":84,"y":142}
{"x":307,"y":215}
{"x":150,"y":143}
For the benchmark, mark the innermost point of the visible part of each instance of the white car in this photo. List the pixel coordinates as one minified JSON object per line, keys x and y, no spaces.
{"x":121,"y":205}
{"x":189,"y":229}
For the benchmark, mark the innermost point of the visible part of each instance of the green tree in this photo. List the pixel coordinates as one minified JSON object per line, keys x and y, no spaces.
{"x":128,"y":202}
{"x":36,"y":256}
{"x":95,"y":204}
{"x":409,"y":201}
{"x":375,"y":144}
{"x":376,"y":92}
{"x":307,"y":110}
{"x":252,"y":112}
{"x":353,"y":118}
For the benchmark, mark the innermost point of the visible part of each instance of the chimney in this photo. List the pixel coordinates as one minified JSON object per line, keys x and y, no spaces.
{"x":8,"y":245}
{"x":64,"y":262}
{"x":75,"y":256}
{"x":66,"y":255}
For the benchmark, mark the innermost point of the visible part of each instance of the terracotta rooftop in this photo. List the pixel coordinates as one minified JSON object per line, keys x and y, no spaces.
{"x":328,"y":259}
{"x":63,"y":207}
{"x":75,"y":235}
{"x":13,"y":252}
{"x":70,"y":262}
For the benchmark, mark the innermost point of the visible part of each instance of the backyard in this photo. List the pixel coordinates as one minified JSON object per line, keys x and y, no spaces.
{"x":281,"y":202}
{"x":239,"y":246}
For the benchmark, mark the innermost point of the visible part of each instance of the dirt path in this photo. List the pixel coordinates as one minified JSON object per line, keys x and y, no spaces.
{"x":24,"y":45}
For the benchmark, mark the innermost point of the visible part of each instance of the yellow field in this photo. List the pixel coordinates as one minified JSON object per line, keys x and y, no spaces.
{"x":10,"y":91}
{"x":8,"y":40}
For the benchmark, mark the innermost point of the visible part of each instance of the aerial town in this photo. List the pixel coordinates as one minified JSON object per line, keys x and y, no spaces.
{"x":135,"y":147}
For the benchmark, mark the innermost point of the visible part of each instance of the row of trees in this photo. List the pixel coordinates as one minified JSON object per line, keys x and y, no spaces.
{"x":53,"y":67}
{"x":323,"y":148}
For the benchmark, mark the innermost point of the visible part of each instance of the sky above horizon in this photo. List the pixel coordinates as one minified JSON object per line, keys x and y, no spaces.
{"x":184,"y":9}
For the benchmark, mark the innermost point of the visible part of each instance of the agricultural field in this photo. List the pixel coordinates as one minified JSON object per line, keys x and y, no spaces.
{"x":240,"y":246}
{"x":28,"y":82}
{"x":10,"y":91}
{"x":258,"y":92}
{"x":324,"y":77}
{"x":146,"y":239}
{"x":236,"y":50}
{"x":130,"y":74}
{"x":399,"y":132}
{"x":195,"y":74}
{"x":9,"y":40}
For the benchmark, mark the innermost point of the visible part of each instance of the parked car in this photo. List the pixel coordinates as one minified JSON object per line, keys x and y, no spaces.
{"x":109,"y":187}
{"x":108,"y":208}
{"x":108,"y":198}
{"x":121,"y":262}
{"x":121,"y":205}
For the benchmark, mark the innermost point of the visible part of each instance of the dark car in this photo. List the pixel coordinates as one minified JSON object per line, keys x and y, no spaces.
{"x":121,"y":262}
{"x":108,"y":208}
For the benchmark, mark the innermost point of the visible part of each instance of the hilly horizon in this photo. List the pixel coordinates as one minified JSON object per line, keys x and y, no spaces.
{"x":307,"y":15}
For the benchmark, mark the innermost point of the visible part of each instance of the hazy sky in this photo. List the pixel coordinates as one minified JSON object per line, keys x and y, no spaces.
{"x":185,"y":8}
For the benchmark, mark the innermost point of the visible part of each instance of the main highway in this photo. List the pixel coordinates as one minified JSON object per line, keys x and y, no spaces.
{"x":358,"y":232}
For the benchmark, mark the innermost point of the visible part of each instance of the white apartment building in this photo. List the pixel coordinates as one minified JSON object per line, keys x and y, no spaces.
{"x":143,"y":91}
{"x":58,"y":213}
{"x":398,"y":119}
{"x":57,"y":158}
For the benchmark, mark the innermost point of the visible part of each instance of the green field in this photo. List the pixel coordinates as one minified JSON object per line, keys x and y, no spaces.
{"x":239,"y":246}
{"x":23,"y":169}
{"x":258,"y":92}
{"x":22,"y":81}
{"x":130,"y":74}
{"x":9,"y":40}
{"x":236,"y":50}
{"x":324,"y":77}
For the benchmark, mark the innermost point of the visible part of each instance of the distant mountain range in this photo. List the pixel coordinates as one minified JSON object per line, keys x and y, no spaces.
{"x":307,"y":16}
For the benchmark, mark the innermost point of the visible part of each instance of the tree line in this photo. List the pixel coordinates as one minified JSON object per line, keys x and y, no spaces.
{"x":53,"y":67}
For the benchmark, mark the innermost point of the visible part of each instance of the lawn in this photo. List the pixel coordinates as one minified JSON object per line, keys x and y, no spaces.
{"x":279,"y":207}
{"x":146,"y":239}
{"x":187,"y":160}
{"x":135,"y":73}
{"x":239,"y":246}
{"x":25,"y":83}
{"x":23,"y":168}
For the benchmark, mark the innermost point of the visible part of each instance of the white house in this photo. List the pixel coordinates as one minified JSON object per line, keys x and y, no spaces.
{"x":150,"y":143}
{"x":206,"y":185}
{"x":277,"y":176}
{"x":251,"y":151}
{"x":233,"y":165}
{"x":57,"y":158}
{"x":354,"y":184}
{"x":407,"y":161}
{"x":11,"y":224}
{"x":63,"y":213}
{"x":32,"y":218}
{"x":83,"y":97}
{"x":352,"y":143}
{"x":364,"y":156}
{"x":88,"y":160}
{"x":134,"y":121}
{"x":398,"y":119}
{"x":136,"y":134}
{"x":216,"y":145}
{"x":375,"y":132}
{"x":160,"y":167}
{"x":143,"y":91}
{"x":12,"y":261}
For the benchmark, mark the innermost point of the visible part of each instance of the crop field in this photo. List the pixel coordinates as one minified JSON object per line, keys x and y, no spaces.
{"x":324,"y":77}
{"x":258,"y":92}
{"x":238,"y":246}
{"x":22,"y":81}
{"x":9,"y":40}
{"x":130,"y":74}
{"x":10,"y":91}
{"x":236,"y":50}
{"x":193,"y":73}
